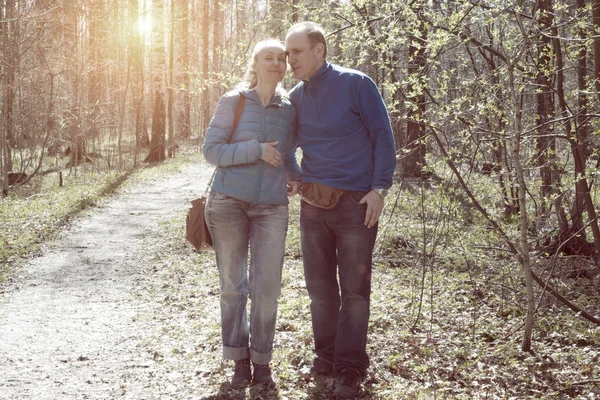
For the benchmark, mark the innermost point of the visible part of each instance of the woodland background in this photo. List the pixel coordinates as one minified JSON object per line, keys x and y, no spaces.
{"x":494,"y":104}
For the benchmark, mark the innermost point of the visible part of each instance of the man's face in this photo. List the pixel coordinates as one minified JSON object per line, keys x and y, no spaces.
{"x":304,"y":59}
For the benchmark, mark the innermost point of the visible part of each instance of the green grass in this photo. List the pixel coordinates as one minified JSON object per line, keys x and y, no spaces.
{"x":34,"y":212}
{"x":464,"y":343}
{"x":29,"y":218}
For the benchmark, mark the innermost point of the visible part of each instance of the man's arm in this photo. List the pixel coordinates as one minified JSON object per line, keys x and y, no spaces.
{"x":374,"y":115}
{"x":376,"y":119}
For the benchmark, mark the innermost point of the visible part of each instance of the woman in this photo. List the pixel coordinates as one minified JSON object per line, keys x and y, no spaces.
{"x":248,"y":204}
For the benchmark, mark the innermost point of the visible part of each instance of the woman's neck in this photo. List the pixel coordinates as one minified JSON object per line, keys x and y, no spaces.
{"x":265,"y":92}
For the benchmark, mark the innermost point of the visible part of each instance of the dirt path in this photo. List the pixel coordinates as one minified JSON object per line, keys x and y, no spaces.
{"x":69,"y":329}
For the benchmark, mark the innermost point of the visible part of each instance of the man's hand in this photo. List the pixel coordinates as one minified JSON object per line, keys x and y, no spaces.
{"x":270,"y":154}
{"x":374,"y":208}
{"x":293,"y":188}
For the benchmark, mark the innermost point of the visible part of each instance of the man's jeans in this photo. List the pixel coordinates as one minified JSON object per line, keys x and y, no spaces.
{"x":232,"y":224}
{"x":338,"y":241}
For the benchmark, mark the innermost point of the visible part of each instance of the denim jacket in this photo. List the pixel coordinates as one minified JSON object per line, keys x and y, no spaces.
{"x":241,"y":173}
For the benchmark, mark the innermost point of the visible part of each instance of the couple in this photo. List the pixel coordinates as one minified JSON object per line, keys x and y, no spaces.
{"x":338,"y":118}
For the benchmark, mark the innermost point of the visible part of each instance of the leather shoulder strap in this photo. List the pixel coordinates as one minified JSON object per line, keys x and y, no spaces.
{"x":238,"y":113}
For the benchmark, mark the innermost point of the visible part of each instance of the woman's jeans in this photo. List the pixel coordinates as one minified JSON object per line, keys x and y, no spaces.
{"x":337,"y":241}
{"x":233,"y":224}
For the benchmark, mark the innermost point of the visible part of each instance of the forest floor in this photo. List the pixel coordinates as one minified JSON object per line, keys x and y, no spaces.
{"x":119,"y":306}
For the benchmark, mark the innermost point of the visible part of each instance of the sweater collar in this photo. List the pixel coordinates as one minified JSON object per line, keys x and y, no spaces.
{"x":321,"y":73}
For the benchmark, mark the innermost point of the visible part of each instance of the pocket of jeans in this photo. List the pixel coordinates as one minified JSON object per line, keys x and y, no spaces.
{"x":220,"y":200}
{"x":219,"y":196}
{"x":356,"y":197}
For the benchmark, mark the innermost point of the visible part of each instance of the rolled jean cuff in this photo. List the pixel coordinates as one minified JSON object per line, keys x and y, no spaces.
{"x":236,"y":353}
{"x":260,"y":358}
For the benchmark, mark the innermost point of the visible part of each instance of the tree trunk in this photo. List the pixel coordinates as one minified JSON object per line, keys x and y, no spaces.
{"x":563,"y":223}
{"x":205,"y":86}
{"x":524,"y":254}
{"x":216,"y":54}
{"x":583,"y":200}
{"x":295,"y":12}
{"x":121,"y":93}
{"x":581,"y":126}
{"x":275,"y":26}
{"x":3,"y":170}
{"x":523,"y":249}
{"x":97,"y":21}
{"x":545,"y":141}
{"x":157,"y":141}
{"x":49,"y":38}
{"x":3,"y":89}
{"x":11,"y":53}
{"x":579,"y":143}
{"x":170,"y":97}
{"x":596,"y":24}
{"x":183,"y":114}
{"x":499,"y":151}
{"x":73,"y":115}
{"x":137,"y":79}
{"x":4,"y":154}
{"x":412,"y":160}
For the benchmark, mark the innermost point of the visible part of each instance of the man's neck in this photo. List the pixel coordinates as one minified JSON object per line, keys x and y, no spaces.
{"x":317,"y":70}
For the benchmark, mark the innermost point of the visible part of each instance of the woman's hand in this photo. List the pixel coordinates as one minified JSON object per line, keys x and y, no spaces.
{"x":293,"y":188}
{"x":270,"y":154}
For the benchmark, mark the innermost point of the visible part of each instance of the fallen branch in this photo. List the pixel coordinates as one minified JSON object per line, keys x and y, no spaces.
{"x":580,"y":383}
{"x":565,"y":301}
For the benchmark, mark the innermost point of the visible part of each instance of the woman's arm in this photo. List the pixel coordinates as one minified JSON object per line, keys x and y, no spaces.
{"x":216,"y":148}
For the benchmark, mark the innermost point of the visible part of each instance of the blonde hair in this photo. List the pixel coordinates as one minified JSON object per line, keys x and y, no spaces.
{"x":251,"y":77}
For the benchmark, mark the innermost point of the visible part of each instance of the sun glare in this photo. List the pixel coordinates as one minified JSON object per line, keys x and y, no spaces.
{"x":144,"y":24}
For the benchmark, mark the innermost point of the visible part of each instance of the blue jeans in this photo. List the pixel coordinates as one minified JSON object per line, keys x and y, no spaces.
{"x":233,"y":224}
{"x":337,"y":241}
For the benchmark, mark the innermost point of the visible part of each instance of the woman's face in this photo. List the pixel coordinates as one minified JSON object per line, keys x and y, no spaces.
{"x":271,"y":64}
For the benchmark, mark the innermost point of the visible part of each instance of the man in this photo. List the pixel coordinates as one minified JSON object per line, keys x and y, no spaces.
{"x":348,"y":161}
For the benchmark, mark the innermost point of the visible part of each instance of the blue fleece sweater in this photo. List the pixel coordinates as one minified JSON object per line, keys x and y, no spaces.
{"x":344,"y":130}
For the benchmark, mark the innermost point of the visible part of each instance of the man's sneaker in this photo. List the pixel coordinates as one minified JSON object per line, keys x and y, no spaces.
{"x":348,"y":385}
{"x":262,"y":375}
{"x":322,"y":368}
{"x":241,"y":373}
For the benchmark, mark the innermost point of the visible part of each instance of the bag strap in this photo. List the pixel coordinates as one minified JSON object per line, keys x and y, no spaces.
{"x":236,"y":117}
{"x":236,"y":120}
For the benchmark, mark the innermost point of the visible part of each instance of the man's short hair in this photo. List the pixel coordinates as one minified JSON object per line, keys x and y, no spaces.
{"x":314,"y":31}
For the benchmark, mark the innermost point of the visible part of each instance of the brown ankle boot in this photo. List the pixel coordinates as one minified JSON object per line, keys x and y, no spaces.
{"x":262,"y":375}
{"x":241,"y":373}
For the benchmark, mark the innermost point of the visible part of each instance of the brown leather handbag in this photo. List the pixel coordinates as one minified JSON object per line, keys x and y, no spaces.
{"x":196,"y":229}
